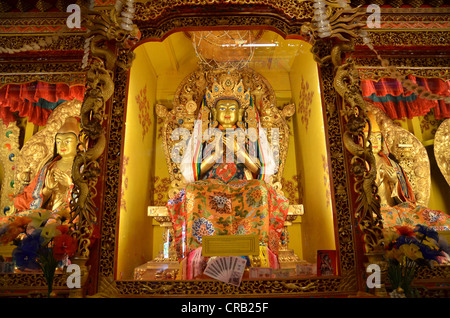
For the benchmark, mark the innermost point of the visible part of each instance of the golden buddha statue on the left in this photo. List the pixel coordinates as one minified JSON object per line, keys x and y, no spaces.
{"x":41,"y":209}
{"x":51,"y":187}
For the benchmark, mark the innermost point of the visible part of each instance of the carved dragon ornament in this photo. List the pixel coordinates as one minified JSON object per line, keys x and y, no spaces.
{"x":106,"y":36}
{"x":346,"y":23}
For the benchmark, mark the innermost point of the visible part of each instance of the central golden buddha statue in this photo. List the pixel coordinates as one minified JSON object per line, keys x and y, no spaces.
{"x":227,"y":166}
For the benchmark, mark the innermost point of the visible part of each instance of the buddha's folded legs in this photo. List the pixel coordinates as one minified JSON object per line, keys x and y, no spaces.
{"x":240,"y":207}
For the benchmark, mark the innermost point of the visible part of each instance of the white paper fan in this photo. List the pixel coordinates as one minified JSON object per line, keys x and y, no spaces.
{"x":227,"y":269}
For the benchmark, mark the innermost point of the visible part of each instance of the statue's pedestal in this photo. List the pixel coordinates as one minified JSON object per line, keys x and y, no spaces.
{"x":288,"y":259}
{"x":166,"y":267}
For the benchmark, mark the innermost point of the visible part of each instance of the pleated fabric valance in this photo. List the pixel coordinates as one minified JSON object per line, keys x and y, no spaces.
{"x":397,"y":102}
{"x":35,"y":100}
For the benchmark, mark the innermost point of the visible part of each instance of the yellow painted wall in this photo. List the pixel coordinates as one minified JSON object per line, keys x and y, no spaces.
{"x":140,"y":236}
{"x":312,"y":158}
{"x":135,"y":227}
{"x":293,"y":169}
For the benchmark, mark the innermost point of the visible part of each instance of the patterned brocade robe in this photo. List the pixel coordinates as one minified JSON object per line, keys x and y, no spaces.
{"x":225,"y":203}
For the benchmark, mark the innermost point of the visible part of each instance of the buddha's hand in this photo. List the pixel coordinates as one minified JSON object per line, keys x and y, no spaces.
{"x":26,"y":176}
{"x":219,"y":153}
{"x":62,"y":178}
{"x":232,"y":144}
{"x":227,"y":143}
{"x":50,"y":181}
{"x":387,"y":173}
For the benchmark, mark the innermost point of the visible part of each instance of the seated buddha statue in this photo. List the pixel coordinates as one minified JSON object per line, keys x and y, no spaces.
{"x":398,"y":201}
{"x":227,"y":167}
{"x":50,"y":190}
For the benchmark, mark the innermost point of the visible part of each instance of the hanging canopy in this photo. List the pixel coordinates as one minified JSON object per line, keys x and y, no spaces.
{"x":389,"y":95}
{"x":35,"y":100}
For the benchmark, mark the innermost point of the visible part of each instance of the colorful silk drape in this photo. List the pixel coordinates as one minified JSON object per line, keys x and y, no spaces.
{"x":389,"y":95}
{"x":35,"y":100}
{"x":410,"y":214}
{"x":224,"y":204}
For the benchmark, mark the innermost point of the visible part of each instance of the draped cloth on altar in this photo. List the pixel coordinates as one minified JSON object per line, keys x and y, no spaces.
{"x":226,"y":205}
{"x":410,"y":214}
{"x":239,"y":207}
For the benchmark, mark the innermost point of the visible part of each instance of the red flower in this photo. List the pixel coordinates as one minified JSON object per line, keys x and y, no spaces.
{"x":405,"y":230}
{"x":64,"y":244}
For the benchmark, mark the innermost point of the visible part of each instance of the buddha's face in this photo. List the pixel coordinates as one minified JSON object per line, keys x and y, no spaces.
{"x":66,"y":144}
{"x":376,"y":138}
{"x":227,"y":112}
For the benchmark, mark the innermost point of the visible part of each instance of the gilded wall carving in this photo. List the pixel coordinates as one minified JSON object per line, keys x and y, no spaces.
{"x":423,"y":66}
{"x":167,"y":25}
{"x":62,"y":43}
{"x":304,"y":104}
{"x":441,"y":146}
{"x":407,"y":38}
{"x":145,"y":110}
{"x":112,"y":175}
{"x":155,"y":9}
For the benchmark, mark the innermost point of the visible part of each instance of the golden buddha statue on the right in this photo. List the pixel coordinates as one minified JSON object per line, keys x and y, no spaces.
{"x":399,"y":205}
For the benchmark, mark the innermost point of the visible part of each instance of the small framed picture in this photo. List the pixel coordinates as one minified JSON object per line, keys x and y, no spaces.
{"x":326,"y":263}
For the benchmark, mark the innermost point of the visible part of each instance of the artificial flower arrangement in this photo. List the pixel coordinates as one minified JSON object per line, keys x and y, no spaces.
{"x":43,"y":241}
{"x":409,"y":247}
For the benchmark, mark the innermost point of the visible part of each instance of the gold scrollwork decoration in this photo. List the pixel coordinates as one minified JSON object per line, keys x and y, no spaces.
{"x":9,"y":143}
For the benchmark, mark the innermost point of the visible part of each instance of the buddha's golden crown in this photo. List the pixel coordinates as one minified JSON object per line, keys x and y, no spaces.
{"x":228,"y":86}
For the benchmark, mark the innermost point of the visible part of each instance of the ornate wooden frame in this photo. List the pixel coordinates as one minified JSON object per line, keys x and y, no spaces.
{"x":63,"y":68}
{"x":347,"y":282}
